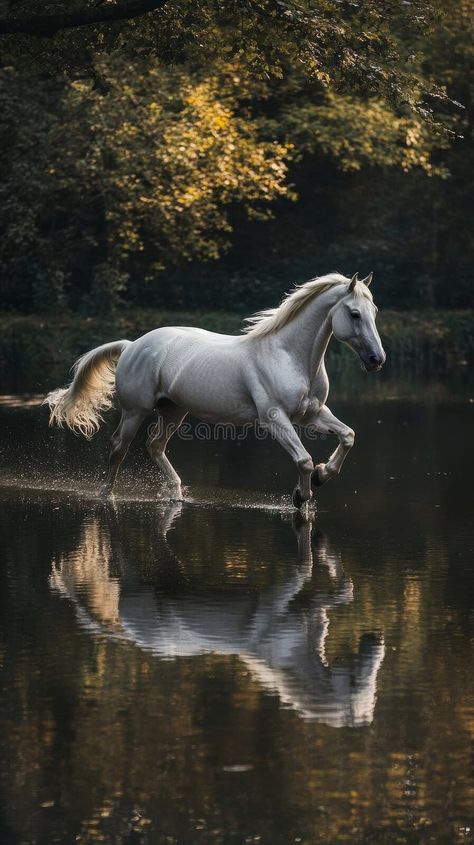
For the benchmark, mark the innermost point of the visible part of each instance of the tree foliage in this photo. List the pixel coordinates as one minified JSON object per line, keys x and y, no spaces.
{"x":369,"y":47}
{"x":139,"y":146}
{"x":155,"y":163}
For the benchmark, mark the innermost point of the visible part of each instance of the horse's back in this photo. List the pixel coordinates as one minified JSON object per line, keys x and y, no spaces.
{"x":184,"y":364}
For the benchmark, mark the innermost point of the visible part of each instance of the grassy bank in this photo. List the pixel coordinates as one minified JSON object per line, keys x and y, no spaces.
{"x":36,"y":351}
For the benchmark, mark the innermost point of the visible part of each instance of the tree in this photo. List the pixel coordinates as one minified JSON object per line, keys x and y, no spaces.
{"x":94,"y":181}
{"x":48,"y":25}
{"x":368,"y":47}
{"x":137,"y":146}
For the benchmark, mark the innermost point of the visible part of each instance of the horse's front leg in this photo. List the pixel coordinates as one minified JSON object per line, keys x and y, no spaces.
{"x":325,"y":422}
{"x":279,"y":425}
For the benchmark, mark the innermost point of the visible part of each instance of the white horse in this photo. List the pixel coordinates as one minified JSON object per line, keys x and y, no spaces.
{"x":273,"y":375}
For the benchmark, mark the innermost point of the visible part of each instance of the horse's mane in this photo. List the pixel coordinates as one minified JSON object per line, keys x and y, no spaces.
{"x":272,"y":319}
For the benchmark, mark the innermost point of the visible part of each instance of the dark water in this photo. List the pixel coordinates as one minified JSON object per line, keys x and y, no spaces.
{"x":221,"y":673}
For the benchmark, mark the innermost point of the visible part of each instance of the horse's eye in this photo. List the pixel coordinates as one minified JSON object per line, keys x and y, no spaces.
{"x":355,"y":315}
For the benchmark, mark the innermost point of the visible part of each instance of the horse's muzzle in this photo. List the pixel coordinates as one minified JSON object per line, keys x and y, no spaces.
{"x":373,"y":363}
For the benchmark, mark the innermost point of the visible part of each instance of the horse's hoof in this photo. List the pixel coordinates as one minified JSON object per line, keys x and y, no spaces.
{"x":298,"y":500}
{"x":316,"y":479}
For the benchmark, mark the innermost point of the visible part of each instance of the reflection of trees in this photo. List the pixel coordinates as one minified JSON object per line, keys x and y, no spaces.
{"x":135,"y":749}
{"x":281,"y":642}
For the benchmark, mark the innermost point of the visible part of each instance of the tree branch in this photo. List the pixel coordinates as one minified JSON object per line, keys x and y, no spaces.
{"x":47,"y":25}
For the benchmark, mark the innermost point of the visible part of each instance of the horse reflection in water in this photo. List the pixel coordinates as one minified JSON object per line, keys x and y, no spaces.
{"x":280,"y":633}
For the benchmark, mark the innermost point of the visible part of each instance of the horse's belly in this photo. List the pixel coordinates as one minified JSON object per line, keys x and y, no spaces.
{"x":238,"y":415}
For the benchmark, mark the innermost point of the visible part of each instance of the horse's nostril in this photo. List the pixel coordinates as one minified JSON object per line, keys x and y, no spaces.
{"x":373,"y":359}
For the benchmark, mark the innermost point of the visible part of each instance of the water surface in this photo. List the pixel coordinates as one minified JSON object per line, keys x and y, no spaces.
{"x":221,"y":672}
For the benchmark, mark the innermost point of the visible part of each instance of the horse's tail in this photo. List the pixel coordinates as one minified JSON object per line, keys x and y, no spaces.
{"x":80,"y":405}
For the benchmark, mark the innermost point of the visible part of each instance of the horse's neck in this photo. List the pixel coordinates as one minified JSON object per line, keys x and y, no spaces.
{"x":307,"y":336}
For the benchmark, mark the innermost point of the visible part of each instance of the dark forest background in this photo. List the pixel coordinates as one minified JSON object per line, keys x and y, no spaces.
{"x":208,"y":155}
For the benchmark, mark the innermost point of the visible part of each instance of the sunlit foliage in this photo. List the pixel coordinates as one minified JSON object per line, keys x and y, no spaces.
{"x":156,"y":162}
{"x":132,"y":148}
{"x":369,"y":47}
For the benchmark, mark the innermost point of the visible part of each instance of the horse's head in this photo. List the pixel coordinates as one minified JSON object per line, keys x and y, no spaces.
{"x":353,"y":322}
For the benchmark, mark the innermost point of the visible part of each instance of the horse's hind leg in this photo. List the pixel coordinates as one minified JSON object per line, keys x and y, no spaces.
{"x":122,"y":437}
{"x":170,"y":419}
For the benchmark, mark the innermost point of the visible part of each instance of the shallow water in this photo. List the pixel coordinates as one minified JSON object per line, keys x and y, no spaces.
{"x":221,"y":672}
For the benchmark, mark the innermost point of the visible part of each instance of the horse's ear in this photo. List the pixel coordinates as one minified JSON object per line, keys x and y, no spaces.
{"x":368,"y":279}
{"x":353,"y":282}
